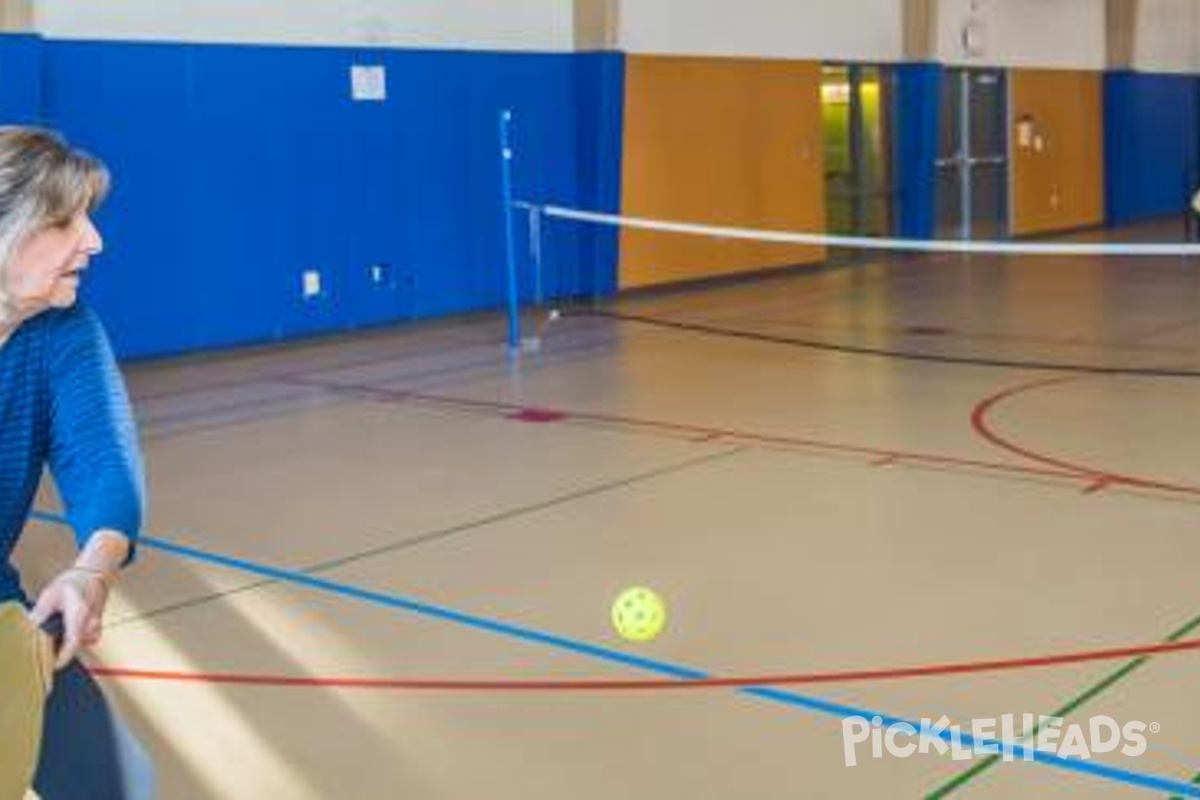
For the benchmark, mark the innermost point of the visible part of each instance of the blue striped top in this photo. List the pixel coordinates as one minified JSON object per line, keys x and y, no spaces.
{"x":63,"y":404}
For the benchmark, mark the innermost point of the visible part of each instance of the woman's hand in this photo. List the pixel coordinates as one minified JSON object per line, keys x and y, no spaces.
{"x":79,"y":595}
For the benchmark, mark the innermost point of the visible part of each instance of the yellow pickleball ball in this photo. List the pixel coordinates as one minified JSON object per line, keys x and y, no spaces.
{"x":639,"y":614}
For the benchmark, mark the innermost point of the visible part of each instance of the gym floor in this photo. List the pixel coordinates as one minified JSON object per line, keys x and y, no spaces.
{"x":899,"y":463}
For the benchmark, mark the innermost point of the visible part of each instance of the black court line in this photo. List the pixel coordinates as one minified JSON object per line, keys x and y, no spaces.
{"x":172,"y":425}
{"x":882,"y":352}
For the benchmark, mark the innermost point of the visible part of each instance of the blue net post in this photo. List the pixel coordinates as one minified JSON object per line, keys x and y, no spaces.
{"x":510,"y":249}
{"x":535,"y":253}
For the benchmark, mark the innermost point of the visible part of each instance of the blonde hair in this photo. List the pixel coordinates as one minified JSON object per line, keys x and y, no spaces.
{"x":43,"y":182}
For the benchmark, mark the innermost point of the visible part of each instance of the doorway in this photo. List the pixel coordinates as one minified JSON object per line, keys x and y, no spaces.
{"x":855,"y":112}
{"x":972,"y":163}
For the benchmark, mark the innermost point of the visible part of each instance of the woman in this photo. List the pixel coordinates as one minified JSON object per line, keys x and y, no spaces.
{"x":63,"y":405}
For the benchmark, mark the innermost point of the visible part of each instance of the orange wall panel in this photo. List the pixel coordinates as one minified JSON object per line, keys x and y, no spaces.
{"x":720,"y":142}
{"x":1058,"y":164}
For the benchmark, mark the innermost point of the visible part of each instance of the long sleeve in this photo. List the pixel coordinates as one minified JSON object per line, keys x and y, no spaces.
{"x":94,"y":454}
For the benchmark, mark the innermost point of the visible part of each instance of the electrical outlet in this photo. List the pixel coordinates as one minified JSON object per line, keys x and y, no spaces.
{"x":380,"y":275}
{"x":310,"y":284}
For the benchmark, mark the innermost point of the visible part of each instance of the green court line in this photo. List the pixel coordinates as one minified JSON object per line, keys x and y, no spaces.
{"x":1194,"y":780}
{"x":1072,"y":706}
{"x":435,"y":535}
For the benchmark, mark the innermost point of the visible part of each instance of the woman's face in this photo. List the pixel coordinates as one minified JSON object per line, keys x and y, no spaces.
{"x":46,"y":267}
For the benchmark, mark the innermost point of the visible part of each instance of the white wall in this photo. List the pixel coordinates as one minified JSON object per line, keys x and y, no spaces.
{"x":1067,"y":34}
{"x":1041,"y":33}
{"x":1167,"y":37}
{"x":860,"y":30}
{"x":465,"y":24}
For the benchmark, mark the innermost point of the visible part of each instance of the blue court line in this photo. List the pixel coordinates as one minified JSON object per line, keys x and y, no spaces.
{"x":839,"y":710}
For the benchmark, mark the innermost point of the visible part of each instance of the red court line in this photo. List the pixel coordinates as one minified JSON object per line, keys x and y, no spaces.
{"x":1096,"y":479}
{"x":933,"y":670}
{"x":701,"y":433}
{"x":704,"y":432}
{"x":1092,"y":479}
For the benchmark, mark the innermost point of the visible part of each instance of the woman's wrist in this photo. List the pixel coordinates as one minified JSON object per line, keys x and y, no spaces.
{"x":102,"y":556}
{"x":106,"y":577}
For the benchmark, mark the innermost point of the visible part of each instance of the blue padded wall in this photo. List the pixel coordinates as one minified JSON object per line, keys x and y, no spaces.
{"x":1151,"y":144}
{"x":21,"y":79}
{"x":917,"y":103}
{"x":239,"y":167}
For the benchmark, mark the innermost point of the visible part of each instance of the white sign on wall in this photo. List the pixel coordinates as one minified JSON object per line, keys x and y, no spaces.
{"x":368,"y":82}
